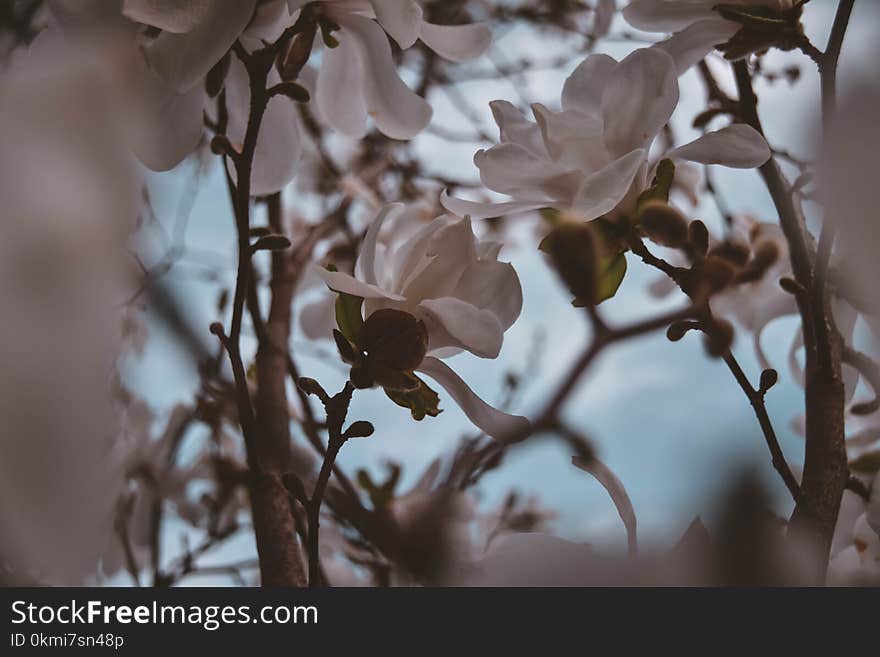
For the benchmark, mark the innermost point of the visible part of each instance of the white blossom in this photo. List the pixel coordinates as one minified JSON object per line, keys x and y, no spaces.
{"x":454,"y":283}
{"x":358,"y":78}
{"x":591,"y":158}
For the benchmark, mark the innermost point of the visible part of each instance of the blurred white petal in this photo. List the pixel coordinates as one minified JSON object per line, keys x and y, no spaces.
{"x":402,"y":19}
{"x":493,"y":422}
{"x":183,"y":60}
{"x":457,"y":43}
{"x":175,"y":16}
{"x":738,"y":145}
{"x":466,"y":326}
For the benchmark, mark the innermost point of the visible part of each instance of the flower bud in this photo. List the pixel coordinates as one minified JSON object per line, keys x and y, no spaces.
{"x":271,"y":243}
{"x":718,"y":272}
{"x":359,"y":429}
{"x":769,"y":377}
{"x":677,"y":330}
{"x":734,"y":252}
{"x":572,"y":249}
{"x":698,"y":237}
{"x":394,"y":339}
{"x":663,"y":224}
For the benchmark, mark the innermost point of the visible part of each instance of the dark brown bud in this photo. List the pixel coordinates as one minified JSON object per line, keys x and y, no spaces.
{"x":296,"y":92}
{"x":663,"y":224}
{"x":361,"y":376}
{"x":791,"y":286}
{"x":394,"y":339}
{"x":348,"y":353}
{"x":359,"y":429}
{"x":717,"y":272}
{"x":271,"y":243}
{"x":698,"y":236}
{"x":220,"y":146}
{"x":677,"y":330}
{"x":769,"y":377}
{"x":298,"y":53}
{"x":734,"y":252}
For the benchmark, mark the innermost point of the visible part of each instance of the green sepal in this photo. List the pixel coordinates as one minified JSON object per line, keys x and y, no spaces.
{"x":420,"y":402}
{"x":659,"y":189}
{"x":349,"y":314}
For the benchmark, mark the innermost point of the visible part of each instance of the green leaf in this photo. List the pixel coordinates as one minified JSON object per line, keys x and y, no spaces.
{"x":659,"y":188}
{"x":610,"y":279}
{"x":421,"y":402}
{"x":868,"y":463}
{"x":349,"y":318}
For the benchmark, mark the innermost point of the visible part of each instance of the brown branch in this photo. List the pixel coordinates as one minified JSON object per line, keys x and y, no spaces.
{"x":266,"y":432}
{"x":756,"y":399}
{"x":825,"y":464}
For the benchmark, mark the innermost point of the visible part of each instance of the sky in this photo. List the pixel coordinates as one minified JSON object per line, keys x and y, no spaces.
{"x":669,"y":421}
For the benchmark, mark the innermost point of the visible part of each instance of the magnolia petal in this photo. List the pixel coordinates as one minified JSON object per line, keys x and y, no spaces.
{"x":639,"y":97}
{"x":517,"y":129}
{"x":398,"y":111}
{"x":409,"y":260}
{"x":268,"y":24}
{"x":618,"y":494}
{"x":574,"y":140}
{"x":184,"y":59}
{"x":738,"y":145}
{"x":175,"y":16}
{"x":448,"y":251}
{"x":469,"y":327}
{"x":602,"y":191}
{"x":511,"y":169}
{"x":492,"y":286}
{"x":690,"y":45}
{"x":457,"y":43}
{"x":401,"y":19}
{"x":341,"y":282}
{"x":583,"y":89}
{"x":279,"y":145}
{"x":339,"y":92}
{"x":476,"y":210}
{"x":318,"y":318}
{"x":365,"y":267}
{"x":666,"y":15}
{"x":495,"y":423}
{"x":164,"y":126}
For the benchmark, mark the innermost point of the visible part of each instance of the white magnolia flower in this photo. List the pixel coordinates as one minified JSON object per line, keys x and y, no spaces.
{"x":696,"y":25}
{"x":194,"y":37}
{"x":445,"y":277}
{"x":591,"y":158}
{"x":358,"y":78}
